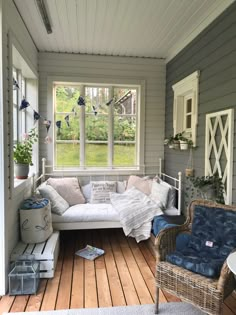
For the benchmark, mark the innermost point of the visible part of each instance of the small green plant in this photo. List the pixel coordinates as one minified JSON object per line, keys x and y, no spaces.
{"x":206,"y":187}
{"x":22,"y":151}
{"x":178,"y":137}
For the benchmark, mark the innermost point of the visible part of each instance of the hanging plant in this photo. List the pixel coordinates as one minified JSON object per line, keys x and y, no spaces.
{"x":205,"y":187}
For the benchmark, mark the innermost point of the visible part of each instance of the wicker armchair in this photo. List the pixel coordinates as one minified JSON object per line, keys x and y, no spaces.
{"x":206,"y":293}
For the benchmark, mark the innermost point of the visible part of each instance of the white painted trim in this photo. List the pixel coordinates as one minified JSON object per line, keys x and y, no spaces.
{"x":2,"y":172}
{"x":221,"y":7}
{"x":186,"y":87}
{"x":226,"y":144}
{"x":86,"y":225}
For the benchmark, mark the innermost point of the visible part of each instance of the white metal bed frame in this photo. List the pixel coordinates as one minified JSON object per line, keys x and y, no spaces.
{"x":176,"y":184}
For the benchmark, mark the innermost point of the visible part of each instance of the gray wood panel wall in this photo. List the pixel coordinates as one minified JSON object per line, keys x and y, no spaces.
{"x":152,"y":71}
{"x":213,"y":52}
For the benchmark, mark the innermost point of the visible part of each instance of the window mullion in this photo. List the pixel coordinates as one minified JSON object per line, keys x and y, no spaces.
{"x":110,"y":129}
{"x":82,"y":129}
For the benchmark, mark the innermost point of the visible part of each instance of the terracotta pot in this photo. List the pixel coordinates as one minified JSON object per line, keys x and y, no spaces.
{"x":21,"y":170}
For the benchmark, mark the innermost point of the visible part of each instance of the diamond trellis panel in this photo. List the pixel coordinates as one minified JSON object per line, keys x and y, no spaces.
{"x":219,"y":148}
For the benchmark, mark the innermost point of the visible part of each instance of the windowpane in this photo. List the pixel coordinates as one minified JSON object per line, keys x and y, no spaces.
{"x":124,"y":128}
{"x":96,"y":128}
{"x":67,"y":154}
{"x":124,"y":155}
{"x":96,"y":99}
{"x":68,"y":127}
{"x":188,"y":121}
{"x":66,"y":99}
{"x":15,"y":126}
{"x":125,"y":101}
{"x":189,"y":106}
{"x":96,"y":155}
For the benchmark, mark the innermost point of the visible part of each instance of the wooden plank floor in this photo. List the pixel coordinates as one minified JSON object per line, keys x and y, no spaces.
{"x":123,"y":276}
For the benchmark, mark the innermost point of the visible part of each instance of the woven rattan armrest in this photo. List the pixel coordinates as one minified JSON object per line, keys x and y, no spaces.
{"x":165,"y":241}
{"x":226,"y":277}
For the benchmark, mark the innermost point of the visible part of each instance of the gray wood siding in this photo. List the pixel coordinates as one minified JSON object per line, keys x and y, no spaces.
{"x":152,"y":71}
{"x":213,"y":52}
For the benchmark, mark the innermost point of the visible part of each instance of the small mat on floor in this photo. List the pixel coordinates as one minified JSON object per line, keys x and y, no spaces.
{"x":148,"y":309}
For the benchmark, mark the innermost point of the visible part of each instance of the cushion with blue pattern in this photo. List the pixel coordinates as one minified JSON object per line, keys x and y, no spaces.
{"x":213,"y":238}
{"x":162,"y":222}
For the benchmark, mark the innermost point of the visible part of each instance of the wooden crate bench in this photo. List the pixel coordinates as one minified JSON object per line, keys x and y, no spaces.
{"x":46,"y":252}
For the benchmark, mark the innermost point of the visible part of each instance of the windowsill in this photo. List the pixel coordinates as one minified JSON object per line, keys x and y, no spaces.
{"x":21,"y":184}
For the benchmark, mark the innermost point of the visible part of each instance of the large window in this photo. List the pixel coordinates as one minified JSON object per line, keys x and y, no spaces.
{"x":24,"y":87}
{"x":185,"y":109}
{"x":96,"y":126}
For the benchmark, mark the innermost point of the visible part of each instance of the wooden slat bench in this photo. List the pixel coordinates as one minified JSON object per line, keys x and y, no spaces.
{"x":46,"y":252}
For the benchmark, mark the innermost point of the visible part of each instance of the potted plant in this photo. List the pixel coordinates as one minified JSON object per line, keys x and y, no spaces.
{"x":22,"y":154}
{"x":169,"y":141}
{"x":208,"y":187}
{"x":185,"y":142}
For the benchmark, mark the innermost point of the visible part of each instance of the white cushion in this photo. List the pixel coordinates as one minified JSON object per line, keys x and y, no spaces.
{"x":68,"y":188}
{"x":143,"y":184}
{"x":121,"y":186}
{"x":160,"y":193}
{"x":88,"y":212}
{"x":58,"y":204}
{"x":100,"y":191}
{"x":86,"y":190}
{"x":171,"y":202}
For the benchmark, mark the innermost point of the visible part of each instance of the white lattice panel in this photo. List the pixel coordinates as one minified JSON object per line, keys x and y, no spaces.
{"x":219,"y":148}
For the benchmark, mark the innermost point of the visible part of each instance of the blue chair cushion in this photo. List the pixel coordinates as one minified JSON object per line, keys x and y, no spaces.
{"x":161,"y":222}
{"x":213,"y":238}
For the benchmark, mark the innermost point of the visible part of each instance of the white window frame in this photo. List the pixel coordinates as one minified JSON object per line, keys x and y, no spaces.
{"x":185,"y":89}
{"x":24,"y":117}
{"x":140,"y":85}
{"x":20,"y":123}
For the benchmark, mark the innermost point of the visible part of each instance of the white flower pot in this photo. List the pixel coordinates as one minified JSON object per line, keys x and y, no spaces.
{"x":183,"y":145}
{"x":21,"y":170}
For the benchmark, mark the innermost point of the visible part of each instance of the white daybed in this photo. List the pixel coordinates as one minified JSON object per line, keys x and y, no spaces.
{"x":96,"y":216}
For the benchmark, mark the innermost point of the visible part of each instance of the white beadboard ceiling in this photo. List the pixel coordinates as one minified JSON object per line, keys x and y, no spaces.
{"x":138,"y":28}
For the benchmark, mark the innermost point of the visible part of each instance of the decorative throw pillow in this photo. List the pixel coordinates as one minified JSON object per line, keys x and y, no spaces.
{"x":171,"y":202}
{"x":101,"y":191}
{"x":120,"y":186}
{"x":159,"y":193}
{"x":68,"y":188}
{"x":86,"y":190}
{"x":143,"y":184}
{"x":58,"y":204}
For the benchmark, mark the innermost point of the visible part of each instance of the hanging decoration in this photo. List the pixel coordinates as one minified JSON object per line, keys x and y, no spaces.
{"x":67,"y":119}
{"x":81,"y":101}
{"x":47,"y":124}
{"x":15,"y":84}
{"x":24,"y":104}
{"x":48,"y":140}
{"x":95,"y":109}
{"x":109,"y":102}
{"x":58,"y":124}
{"x":74,"y":111}
{"x":36,"y":116}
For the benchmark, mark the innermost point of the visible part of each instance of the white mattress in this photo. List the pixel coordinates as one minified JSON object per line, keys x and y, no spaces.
{"x":86,"y":213}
